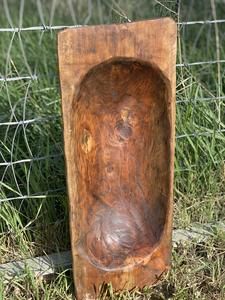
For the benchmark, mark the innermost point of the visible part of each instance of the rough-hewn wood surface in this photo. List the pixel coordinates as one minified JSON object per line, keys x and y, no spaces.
{"x":118,"y":89}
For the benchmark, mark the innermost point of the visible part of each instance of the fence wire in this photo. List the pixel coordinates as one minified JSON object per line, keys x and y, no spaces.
{"x":25,"y":93}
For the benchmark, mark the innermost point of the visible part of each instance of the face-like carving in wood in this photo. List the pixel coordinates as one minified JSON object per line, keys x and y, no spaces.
{"x":122,"y":130}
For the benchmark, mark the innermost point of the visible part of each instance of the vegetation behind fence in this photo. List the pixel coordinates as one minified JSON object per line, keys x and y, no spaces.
{"x":33,"y":199}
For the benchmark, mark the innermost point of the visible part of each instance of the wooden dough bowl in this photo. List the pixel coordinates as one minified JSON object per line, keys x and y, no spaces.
{"x":120,"y":141}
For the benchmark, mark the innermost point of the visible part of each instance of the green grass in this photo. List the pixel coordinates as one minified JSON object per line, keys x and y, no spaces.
{"x":38,"y":223}
{"x":196,"y":273}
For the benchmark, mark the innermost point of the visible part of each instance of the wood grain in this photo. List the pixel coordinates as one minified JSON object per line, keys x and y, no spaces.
{"x":118,"y":100}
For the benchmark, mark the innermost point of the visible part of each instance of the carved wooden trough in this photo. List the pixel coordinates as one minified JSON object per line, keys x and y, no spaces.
{"x":118,"y":100}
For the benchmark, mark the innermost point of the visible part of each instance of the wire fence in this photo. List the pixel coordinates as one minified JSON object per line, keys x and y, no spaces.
{"x":30,"y":77}
{"x":31,"y":156}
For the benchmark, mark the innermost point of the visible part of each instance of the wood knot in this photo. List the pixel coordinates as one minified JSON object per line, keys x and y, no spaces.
{"x":123,"y":130}
{"x":86,"y":141}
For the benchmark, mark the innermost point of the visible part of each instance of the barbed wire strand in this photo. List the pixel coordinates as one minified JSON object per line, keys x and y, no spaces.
{"x":197,"y":63}
{"x":41,"y":195}
{"x":30,"y":160}
{"x":30,"y":121}
{"x":45,"y":27}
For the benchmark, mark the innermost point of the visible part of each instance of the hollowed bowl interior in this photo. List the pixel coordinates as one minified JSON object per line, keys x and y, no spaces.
{"x":122,"y":149}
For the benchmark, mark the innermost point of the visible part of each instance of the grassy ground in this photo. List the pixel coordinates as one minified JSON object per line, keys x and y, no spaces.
{"x":35,"y":220}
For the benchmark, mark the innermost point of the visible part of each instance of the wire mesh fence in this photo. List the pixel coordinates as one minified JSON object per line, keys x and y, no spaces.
{"x":32,"y":174}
